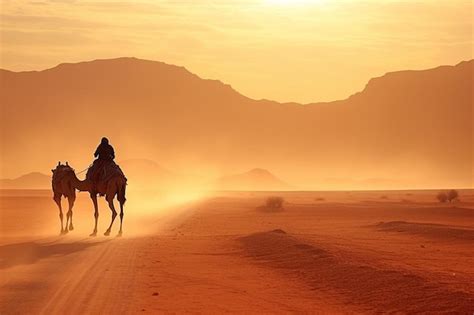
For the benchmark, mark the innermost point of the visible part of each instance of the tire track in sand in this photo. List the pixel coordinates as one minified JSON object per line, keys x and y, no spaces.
{"x":100,"y":282}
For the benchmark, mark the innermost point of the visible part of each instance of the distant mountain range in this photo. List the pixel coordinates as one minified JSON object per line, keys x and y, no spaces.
{"x":255,"y":179}
{"x":409,"y":126}
{"x":33,"y":180}
{"x":147,"y":174}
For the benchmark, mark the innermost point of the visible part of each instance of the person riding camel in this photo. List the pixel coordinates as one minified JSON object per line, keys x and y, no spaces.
{"x":104,"y":151}
{"x":105,"y":156}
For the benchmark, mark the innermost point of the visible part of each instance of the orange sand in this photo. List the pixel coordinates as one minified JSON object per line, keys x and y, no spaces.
{"x":339,"y":252}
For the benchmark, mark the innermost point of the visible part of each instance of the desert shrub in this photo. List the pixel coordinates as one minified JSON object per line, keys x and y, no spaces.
{"x":383,"y":197}
{"x":442,"y":197}
{"x":447,"y":196}
{"x":319,"y":199}
{"x":452,"y":195}
{"x":274,"y":202}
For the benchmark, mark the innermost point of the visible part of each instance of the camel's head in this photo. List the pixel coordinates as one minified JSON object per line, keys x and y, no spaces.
{"x":62,"y":170}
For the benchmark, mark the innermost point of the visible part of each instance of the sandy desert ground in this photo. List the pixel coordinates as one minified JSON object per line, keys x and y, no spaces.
{"x":328,"y":252}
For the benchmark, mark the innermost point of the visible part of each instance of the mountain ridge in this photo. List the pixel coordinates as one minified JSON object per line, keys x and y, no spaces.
{"x":254,"y":179}
{"x":394,"y":128}
{"x":32,"y":180}
{"x":370,"y":81}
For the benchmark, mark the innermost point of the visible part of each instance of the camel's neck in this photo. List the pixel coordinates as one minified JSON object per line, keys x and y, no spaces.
{"x":81,"y":185}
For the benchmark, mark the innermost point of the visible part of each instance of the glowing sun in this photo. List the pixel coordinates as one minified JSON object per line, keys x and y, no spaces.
{"x":293,"y":2}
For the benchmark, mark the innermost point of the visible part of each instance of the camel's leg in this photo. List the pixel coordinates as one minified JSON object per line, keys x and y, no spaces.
{"x":71,"y":200}
{"x":96,"y":213}
{"x":67,"y":220}
{"x":57,"y":199}
{"x":121,"y":218}
{"x":110,"y":200}
{"x":121,"y":199}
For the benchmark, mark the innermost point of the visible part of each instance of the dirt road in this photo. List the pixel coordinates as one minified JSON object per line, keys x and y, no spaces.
{"x":70,"y":274}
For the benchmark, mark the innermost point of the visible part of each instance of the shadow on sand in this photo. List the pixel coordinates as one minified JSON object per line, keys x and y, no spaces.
{"x":438,"y":231}
{"x":31,"y":252}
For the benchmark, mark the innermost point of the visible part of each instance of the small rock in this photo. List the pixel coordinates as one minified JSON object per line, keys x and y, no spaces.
{"x":155,"y":294}
{"x":422,"y":246}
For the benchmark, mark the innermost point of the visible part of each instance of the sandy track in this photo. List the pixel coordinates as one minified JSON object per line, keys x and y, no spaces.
{"x":72,"y":274}
{"x":91,"y":280}
{"x":97,"y":282}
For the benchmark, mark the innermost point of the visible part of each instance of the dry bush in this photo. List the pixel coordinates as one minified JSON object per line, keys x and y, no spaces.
{"x":274,"y":202}
{"x":383,"y":197}
{"x":442,"y":197}
{"x":319,"y":199}
{"x":452,"y":195}
{"x":448,"y":196}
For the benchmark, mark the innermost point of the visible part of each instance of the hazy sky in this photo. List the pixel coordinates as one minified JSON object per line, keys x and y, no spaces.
{"x":298,"y":50}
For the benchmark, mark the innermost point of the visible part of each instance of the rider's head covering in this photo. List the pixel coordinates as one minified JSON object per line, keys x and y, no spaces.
{"x":104,"y":140}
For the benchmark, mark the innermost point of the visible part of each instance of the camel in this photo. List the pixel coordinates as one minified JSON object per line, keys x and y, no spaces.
{"x":65,"y":183}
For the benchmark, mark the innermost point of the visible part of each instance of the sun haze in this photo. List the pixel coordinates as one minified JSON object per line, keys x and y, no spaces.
{"x":236,"y":156}
{"x":285,"y":50}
